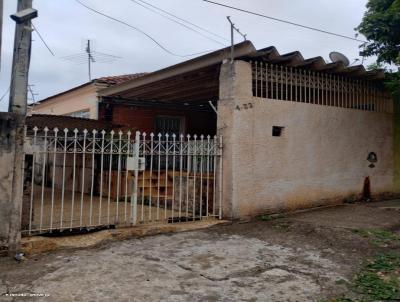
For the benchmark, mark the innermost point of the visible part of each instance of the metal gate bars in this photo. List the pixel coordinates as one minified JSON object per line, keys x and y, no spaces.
{"x":78,"y":180}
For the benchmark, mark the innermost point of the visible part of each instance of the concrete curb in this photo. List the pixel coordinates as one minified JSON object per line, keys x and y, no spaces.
{"x":40,"y":244}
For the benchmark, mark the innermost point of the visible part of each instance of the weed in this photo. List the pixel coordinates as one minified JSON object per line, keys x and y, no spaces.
{"x":378,"y":280}
{"x":266,"y":217}
{"x":378,"y":236}
{"x":270,"y":217}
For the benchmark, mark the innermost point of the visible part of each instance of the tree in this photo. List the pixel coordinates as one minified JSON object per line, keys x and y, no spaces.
{"x":381,"y":26}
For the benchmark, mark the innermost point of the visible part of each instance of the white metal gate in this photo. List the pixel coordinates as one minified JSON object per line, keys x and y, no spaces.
{"x":82,"y":180}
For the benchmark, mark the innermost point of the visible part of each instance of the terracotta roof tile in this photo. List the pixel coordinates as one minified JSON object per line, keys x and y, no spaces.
{"x":61,"y":122}
{"x":116,"y":80}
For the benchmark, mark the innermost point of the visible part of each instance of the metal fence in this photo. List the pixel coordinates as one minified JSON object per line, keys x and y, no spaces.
{"x":280,"y":82}
{"x":84,"y":180}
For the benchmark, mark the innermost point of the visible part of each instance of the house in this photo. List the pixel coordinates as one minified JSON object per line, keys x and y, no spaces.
{"x":297,"y":132}
{"x":226,"y":136}
{"x":80,"y":101}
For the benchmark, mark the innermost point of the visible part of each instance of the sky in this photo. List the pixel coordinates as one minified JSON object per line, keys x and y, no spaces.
{"x":66,"y":25}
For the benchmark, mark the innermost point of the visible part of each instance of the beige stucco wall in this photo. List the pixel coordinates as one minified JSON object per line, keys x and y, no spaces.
{"x":320,"y":159}
{"x":84,"y":98}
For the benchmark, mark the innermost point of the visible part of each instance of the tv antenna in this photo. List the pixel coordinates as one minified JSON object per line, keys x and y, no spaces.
{"x":90,"y":57}
{"x":233,"y":29}
{"x":32,"y":93}
{"x":339,"y":57}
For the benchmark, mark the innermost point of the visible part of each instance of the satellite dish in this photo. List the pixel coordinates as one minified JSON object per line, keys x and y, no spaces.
{"x":339,"y":57}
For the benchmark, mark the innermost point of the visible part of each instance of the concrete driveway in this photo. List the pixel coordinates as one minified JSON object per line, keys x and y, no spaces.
{"x":296,"y":258}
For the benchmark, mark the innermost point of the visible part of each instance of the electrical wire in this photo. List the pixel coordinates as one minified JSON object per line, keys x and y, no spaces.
{"x":31,"y":92}
{"x":183,"y":20}
{"x":285,"y":21}
{"x":41,"y":38}
{"x":139,"y":30}
{"x":177,"y":22}
{"x":5,"y":93}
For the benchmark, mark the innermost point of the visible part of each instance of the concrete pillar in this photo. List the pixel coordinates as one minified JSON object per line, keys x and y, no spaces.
{"x":235,"y":96}
{"x":8,"y":126}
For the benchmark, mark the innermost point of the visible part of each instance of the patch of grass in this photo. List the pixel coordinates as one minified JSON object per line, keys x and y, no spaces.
{"x":266,"y":217}
{"x":378,"y":236}
{"x":384,"y":263}
{"x":378,"y":280}
{"x":270,"y":217}
{"x":376,"y":287}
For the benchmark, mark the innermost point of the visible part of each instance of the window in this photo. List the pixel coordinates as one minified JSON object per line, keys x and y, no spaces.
{"x":167,"y":124}
{"x":81,"y":114}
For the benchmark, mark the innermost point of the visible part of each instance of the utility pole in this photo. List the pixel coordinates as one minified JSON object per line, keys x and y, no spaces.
{"x":18,"y":107}
{"x":21,"y":61}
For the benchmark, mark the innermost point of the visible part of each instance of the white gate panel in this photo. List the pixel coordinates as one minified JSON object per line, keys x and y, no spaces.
{"x":81,"y":180}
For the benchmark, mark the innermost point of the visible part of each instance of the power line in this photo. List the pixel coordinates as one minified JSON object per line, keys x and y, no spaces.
{"x":41,"y":38}
{"x":285,"y":21}
{"x":5,"y":93}
{"x":186,"y":21}
{"x":139,"y":30}
{"x":177,"y":22}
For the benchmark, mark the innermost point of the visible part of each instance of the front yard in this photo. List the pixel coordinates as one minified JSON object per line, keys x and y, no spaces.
{"x":345,"y":253}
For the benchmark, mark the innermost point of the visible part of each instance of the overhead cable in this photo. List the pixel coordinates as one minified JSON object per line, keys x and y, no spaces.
{"x":287,"y":22}
{"x":41,"y":38}
{"x":186,"y":21}
{"x":140,"y":31}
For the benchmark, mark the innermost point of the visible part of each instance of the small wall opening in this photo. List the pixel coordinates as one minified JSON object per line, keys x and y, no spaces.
{"x":277,"y":130}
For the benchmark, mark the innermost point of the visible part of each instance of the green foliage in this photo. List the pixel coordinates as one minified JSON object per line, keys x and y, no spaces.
{"x":270,"y":217}
{"x":379,"y":280}
{"x":381,"y":27}
{"x":384,"y":263}
{"x":266,"y":217}
{"x":393,"y":83}
{"x":375,"y":287}
{"x":379,"y":236}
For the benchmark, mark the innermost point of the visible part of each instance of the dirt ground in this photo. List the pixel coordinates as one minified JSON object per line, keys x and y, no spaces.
{"x":308,"y":256}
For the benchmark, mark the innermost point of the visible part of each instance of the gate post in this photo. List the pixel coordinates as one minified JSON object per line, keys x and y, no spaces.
{"x":235,"y":93}
{"x":134,"y":196}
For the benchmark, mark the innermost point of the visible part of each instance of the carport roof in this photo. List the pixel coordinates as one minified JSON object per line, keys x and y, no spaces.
{"x":197,"y":80}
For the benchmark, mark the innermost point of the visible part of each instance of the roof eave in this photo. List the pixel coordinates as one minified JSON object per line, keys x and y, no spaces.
{"x":242,"y":49}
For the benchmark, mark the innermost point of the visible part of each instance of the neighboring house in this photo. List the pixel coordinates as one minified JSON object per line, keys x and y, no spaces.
{"x":80,"y":101}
